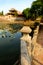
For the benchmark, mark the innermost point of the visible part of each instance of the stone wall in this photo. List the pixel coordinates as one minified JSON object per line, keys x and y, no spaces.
{"x":34,"y":39}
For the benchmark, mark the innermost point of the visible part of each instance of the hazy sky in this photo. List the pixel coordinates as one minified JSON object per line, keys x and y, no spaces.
{"x":5,"y":5}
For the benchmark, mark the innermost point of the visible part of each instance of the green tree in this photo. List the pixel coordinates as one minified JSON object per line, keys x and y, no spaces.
{"x":40,"y":0}
{"x":1,"y":13}
{"x":41,"y":6}
{"x":26,"y":13}
{"x":36,"y":9}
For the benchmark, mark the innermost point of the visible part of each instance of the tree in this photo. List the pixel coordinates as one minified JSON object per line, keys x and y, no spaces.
{"x":40,"y":0}
{"x":1,"y":13}
{"x":26,"y":13}
{"x":36,"y":9}
{"x":42,"y":6}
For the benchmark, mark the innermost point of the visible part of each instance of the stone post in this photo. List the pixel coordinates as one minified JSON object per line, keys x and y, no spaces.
{"x":25,"y":48}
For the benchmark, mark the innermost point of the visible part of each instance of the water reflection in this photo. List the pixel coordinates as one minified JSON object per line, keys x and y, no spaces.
{"x":9,"y":47}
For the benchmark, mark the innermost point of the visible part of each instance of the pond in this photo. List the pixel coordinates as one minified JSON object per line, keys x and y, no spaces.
{"x":9,"y":47}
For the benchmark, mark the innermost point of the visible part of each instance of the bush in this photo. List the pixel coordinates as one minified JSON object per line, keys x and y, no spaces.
{"x":1,"y":13}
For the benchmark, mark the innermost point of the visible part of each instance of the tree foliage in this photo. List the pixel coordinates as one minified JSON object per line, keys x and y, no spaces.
{"x":1,"y":13}
{"x":35,"y":10}
{"x":26,"y":13}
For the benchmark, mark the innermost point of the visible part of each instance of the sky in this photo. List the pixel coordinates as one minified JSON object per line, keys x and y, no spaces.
{"x":19,"y":5}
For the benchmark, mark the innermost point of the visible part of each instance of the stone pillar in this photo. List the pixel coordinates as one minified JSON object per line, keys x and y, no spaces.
{"x":26,"y":50}
{"x":25,"y":46}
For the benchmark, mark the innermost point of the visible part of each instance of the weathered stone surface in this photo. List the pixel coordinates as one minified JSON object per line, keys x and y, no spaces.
{"x":37,"y":53}
{"x":34,"y":39}
{"x":25,"y":58}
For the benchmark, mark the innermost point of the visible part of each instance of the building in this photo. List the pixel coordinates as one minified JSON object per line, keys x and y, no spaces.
{"x":19,"y":14}
{"x":14,"y":12}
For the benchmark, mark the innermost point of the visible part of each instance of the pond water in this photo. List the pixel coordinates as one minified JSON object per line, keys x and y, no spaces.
{"x":9,"y":47}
